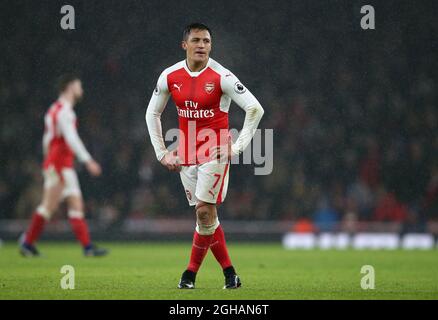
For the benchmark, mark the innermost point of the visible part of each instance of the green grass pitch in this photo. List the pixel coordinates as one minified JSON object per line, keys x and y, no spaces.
{"x":152,"y":270}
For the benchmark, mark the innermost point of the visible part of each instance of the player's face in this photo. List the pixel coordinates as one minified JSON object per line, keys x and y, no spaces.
{"x":198,"y":45}
{"x":78,"y":92}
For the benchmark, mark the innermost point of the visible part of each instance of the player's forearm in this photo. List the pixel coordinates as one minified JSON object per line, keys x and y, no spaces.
{"x":253,"y":116}
{"x":153,"y":122}
{"x":76,"y":145}
{"x":155,"y":108}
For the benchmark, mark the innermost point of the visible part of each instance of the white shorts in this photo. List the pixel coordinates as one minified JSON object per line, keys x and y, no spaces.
{"x":69,"y":177}
{"x":207,"y":182}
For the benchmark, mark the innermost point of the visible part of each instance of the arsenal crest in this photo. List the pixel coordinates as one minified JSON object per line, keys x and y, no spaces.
{"x":209,"y":87}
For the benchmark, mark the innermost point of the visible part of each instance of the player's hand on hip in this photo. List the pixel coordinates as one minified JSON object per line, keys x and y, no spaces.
{"x":93,"y":168}
{"x":171,"y":161}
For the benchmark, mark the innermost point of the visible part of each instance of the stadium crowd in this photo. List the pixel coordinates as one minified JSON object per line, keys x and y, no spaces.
{"x":354,"y":112}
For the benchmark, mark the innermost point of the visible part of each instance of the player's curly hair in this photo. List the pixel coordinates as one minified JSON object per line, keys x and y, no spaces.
{"x":194,"y":26}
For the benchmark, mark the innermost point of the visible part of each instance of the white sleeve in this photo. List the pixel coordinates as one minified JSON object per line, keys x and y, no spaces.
{"x":154,"y":110}
{"x":233,"y":88}
{"x":67,"y":125}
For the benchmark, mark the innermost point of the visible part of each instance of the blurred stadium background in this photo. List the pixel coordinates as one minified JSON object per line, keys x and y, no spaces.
{"x":354,"y":114}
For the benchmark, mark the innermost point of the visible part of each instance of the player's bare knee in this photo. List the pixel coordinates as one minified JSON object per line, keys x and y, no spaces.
{"x":50,"y":206}
{"x":202,"y":215}
{"x":75,"y":203}
{"x":206,"y":213}
{"x":207,"y":221}
{"x":51,"y":198}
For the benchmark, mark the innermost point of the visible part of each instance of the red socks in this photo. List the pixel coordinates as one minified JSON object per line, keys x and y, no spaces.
{"x":200,"y":247}
{"x":219,"y":248}
{"x":80,"y":229}
{"x":199,"y":250}
{"x":35,"y":228}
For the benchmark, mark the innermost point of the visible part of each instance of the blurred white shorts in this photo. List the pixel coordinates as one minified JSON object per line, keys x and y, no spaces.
{"x":207,"y":182}
{"x":69,"y":177}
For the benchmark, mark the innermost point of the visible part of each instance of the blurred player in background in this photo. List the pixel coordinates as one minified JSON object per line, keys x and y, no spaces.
{"x":202,"y":91}
{"x":61,"y":143}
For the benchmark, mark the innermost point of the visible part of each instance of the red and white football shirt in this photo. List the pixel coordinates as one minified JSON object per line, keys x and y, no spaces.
{"x":61,"y":141}
{"x":202,"y":101}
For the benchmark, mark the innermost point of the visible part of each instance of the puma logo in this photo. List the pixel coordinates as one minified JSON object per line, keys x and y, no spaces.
{"x":177,"y":86}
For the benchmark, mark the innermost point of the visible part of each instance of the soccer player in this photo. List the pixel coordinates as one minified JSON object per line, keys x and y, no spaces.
{"x":202,"y":91}
{"x":61,"y":143}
